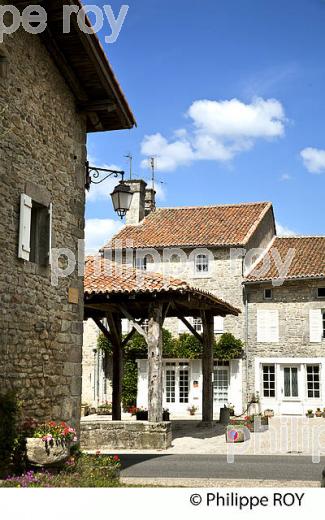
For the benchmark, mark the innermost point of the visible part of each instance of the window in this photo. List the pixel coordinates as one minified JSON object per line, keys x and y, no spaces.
{"x":183,"y":383}
{"x":290,"y":381}
{"x":170,"y":382}
{"x":269,"y":380}
{"x":197,"y":324}
{"x":201,"y":264}
{"x":143,"y":262}
{"x":321,"y":292}
{"x":218,"y":324}
{"x":268,"y":293}
{"x":35,"y":229}
{"x":175,"y":259}
{"x":313,"y":381}
{"x":267,"y":326}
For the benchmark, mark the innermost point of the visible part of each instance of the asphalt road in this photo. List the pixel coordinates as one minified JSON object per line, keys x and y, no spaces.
{"x":216,"y":466}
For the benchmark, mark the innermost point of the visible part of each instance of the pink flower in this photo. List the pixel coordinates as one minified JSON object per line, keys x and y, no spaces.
{"x":75,"y":438}
{"x":47,"y":438}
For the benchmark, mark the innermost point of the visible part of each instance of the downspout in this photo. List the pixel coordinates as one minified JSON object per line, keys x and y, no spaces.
{"x":246,"y":339}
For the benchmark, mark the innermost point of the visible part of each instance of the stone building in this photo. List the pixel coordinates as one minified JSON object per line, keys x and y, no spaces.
{"x":54,"y":88}
{"x":286,"y":326}
{"x":277,"y":283}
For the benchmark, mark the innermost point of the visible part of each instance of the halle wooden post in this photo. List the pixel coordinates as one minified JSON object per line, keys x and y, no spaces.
{"x":115,"y":326}
{"x":155,"y":409}
{"x":207,"y":368}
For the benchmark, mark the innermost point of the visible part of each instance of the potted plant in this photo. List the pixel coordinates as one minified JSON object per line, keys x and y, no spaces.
{"x":323,"y":413}
{"x":231,"y":409}
{"x":268,"y":413}
{"x":310,"y":414}
{"x":192,"y":409}
{"x":142,"y":414}
{"x":318,"y":412}
{"x":50,"y":443}
{"x":104,"y":409}
{"x":166,"y":414}
{"x":84,"y":409}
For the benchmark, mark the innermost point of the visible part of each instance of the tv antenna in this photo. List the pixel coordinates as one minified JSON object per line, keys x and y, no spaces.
{"x":130,"y":157}
{"x":152,"y":166}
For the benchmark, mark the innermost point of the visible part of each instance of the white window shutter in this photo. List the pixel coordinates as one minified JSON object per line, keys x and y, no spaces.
{"x":315,"y":325}
{"x":24,"y":226}
{"x":182,"y":327}
{"x":218,"y":324}
{"x":267,"y":326}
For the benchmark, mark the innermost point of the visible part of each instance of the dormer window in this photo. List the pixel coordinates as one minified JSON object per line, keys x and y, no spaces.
{"x":201,"y":264}
{"x":321,"y":292}
{"x":268,"y":294}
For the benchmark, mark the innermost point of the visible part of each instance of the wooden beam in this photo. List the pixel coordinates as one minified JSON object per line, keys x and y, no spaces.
{"x":188,"y":324}
{"x":115,"y":326}
{"x":130,"y":334}
{"x":207,"y":367}
{"x":92,"y":106}
{"x":136,"y":325}
{"x":103,"y":329}
{"x":155,"y":409}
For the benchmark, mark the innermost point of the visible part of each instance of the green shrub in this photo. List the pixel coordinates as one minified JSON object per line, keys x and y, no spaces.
{"x":9,"y":430}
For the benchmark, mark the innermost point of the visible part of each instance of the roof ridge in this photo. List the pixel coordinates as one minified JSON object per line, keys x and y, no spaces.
{"x":207,"y":206}
{"x":299,"y":236}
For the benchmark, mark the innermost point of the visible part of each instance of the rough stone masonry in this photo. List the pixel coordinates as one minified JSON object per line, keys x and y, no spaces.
{"x":42,"y":154}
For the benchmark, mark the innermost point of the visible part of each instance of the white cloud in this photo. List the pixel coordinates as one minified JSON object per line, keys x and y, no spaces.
{"x":284,"y":231}
{"x":285,"y":177}
{"x":98,"y":232}
{"x":219,"y":131}
{"x":314,"y":159}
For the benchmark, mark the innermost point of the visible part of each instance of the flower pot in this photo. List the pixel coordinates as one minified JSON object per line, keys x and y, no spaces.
{"x":166,"y":416}
{"x":269,"y":413}
{"x":310,"y":415}
{"x":40,"y":453}
{"x":142,"y":415}
{"x":104,"y":411}
{"x":84,"y":410}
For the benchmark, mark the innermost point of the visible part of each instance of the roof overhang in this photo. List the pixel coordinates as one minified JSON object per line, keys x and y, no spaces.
{"x":86,"y":69}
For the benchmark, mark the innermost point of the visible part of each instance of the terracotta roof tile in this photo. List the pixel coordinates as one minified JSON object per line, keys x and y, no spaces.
{"x":194,"y":226}
{"x":103,"y":276}
{"x":308,"y":259}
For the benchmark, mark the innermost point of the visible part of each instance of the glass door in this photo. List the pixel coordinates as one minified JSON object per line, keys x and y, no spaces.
{"x":220,"y":387}
{"x":290,"y":382}
{"x":291,"y":385}
{"x":176,"y":387}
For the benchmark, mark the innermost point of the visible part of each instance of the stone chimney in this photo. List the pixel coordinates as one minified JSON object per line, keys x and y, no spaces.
{"x":150,"y":201}
{"x":136,"y":212}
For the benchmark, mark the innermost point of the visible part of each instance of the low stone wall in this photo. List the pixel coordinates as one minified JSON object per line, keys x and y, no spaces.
{"x":106,"y":435}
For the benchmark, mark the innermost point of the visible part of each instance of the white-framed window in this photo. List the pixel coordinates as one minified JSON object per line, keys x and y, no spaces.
{"x":201,"y":264}
{"x":197,"y":324}
{"x":143,"y":263}
{"x":317,"y":325}
{"x":268,"y":294}
{"x":183,"y":382}
{"x":35,"y":231}
{"x":267,"y":326}
{"x":313,"y":381}
{"x":268,"y":374}
{"x":170,"y":382}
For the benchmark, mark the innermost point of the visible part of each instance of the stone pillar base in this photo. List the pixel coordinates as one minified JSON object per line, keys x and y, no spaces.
{"x":125,"y":435}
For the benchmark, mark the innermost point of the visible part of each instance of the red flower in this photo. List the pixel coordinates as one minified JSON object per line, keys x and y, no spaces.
{"x":98,"y":452}
{"x":116,"y":458}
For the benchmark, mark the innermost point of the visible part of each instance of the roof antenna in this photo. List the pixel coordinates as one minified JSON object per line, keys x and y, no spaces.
{"x":152,"y":166}
{"x":130,"y":157}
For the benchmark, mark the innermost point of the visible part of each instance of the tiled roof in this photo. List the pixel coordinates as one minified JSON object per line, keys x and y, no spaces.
{"x":103,"y":276}
{"x":306,"y":259}
{"x":194,"y":226}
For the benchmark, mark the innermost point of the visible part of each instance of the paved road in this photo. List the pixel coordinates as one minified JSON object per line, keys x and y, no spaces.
{"x":216,"y":466}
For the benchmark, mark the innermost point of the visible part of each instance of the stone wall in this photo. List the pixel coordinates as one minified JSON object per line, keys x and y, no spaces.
{"x":42,"y":144}
{"x":107,"y":435}
{"x":293,"y":300}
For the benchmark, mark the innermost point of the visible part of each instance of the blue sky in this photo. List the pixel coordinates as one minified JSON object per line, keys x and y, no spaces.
{"x":229,"y":95}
